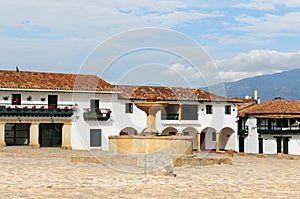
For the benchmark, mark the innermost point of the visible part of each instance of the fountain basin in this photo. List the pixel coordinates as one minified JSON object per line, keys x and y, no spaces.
{"x":175,"y":145}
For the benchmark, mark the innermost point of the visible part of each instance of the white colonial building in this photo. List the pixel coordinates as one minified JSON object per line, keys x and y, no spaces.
{"x":81,"y":111}
{"x":271,"y":127}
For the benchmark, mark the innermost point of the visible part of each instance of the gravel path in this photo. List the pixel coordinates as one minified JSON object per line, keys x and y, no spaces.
{"x":49,"y":173}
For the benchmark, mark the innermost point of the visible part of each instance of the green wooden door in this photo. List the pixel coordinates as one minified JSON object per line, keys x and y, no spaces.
{"x":50,"y":135}
{"x":260,"y":145}
{"x":241,"y":144}
{"x":286,"y":146}
{"x":278,"y":145}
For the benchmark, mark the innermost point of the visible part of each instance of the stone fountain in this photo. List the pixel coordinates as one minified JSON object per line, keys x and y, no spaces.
{"x":150,"y":152}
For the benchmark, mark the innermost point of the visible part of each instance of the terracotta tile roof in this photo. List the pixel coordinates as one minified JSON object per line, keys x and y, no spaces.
{"x":168,"y":93}
{"x":53,"y":81}
{"x":246,"y":103}
{"x":273,"y":109}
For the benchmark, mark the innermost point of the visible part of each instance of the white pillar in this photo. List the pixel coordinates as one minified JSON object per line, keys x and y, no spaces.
{"x":66,"y":136}
{"x":217,"y":141}
{"x":2,"y":134}
{"x":34,"y":135}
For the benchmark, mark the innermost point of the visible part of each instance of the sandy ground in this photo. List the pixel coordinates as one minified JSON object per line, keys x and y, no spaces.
{"x":49,"y":173}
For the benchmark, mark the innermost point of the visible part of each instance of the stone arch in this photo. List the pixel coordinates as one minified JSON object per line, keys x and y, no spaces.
{"x":191,"y":131}
{"x":169,"y":131}
{"x":227,"y":139}
{"x":128,"y":131}
{"x":208,"y":138}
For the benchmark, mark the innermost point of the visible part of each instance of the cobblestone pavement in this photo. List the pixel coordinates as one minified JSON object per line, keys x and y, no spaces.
{"x":49,"y":173}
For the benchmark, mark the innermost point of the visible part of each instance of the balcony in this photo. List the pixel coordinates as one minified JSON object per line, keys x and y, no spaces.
{"x":274,"y":130}
{"x":37,"y":110}
{"x":99,"y":114}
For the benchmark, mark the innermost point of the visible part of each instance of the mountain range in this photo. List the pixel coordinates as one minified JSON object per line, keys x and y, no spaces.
{"x":285,"y":85}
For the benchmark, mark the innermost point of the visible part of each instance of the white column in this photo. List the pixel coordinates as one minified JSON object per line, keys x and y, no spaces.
{"x":2,"y":134}
{"x":66,"y":136}
{"x":217,"y":141}
{"x":34,"y":135}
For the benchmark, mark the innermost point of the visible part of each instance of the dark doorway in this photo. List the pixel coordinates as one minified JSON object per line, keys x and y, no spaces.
{"x":241,"y":144}
{"x":52,"y":100}
{"x":17,"y":134}
{"x":285,"y":145}
{"x":95,"y":137}
{"x":278,"y":145}
{"x":94,"y":104}
{"x":50,"y":135}
{"x":260,"y":145}
{"x":202,"y":140}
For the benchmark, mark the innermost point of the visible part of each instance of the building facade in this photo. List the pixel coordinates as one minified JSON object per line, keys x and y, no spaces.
{"x":81,"y":111}
{"x":271,"y":127}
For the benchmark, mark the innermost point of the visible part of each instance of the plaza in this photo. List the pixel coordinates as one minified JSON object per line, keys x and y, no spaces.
{"x":49,"y":173}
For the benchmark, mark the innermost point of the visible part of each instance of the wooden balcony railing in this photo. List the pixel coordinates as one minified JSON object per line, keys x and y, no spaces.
{"x":99,"y":114}
{"x":34,"y":110}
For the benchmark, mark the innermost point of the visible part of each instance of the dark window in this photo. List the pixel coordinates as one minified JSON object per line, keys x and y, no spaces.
{"x":208,"y":109}
{"x":172,"y":133}
{"x":282,"y":123}
{"x":17,"y":134}
{"x":52,"y":100}
{"x":16,"y":99}
{"x":95,"y":137}
{"x":94,"y":104}
{"x":213,"y":136}
{"x":170,"y":112}
{"x":129,"y":108}
{"x":189,"y":112}
{"x":186,"y":133}
{"x":227,"y":109}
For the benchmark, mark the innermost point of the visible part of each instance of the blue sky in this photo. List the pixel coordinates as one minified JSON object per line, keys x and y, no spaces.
{"x":243,"y":38}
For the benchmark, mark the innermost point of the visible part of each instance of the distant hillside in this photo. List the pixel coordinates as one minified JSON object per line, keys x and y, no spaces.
{"x":285,"y":85}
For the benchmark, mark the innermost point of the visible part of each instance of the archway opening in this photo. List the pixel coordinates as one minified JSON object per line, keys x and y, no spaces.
{"x":169,"y":131}
{"x":128,"y":131}
{"x":190,"y":131}
{"x":227,"y":140}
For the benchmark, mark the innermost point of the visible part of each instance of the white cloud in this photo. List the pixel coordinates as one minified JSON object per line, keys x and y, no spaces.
{"x":257,"y":62}
{"x":275,"y":25}
{"x":238,"y":40}
{"x":257,"y":5}
{"x":69,"y":18}
{"x":268,"y":4}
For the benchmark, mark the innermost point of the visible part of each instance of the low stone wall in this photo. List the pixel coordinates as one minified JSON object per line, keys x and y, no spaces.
{"x":201,"y":161}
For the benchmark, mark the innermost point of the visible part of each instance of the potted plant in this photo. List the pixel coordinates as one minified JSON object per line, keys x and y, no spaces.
{"x":50,"y":108}
{"x":99,"y":110}
{"x":17,"y":108}
{"x":29,"y":98}
{"x":5,"y":97}
{"x":33,"y":108}
{"x":42,"y":108}
{"x":57,"y":108}
{"x":25,"y":108}
{"x":66,"y":108}
{"x":109,"y":111}
{"x":8,"y":108}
